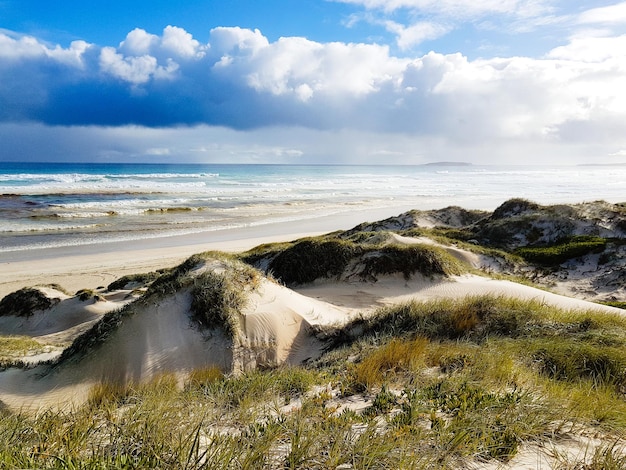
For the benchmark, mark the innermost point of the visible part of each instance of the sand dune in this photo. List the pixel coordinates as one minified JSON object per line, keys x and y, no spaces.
{"x":277,"y":325}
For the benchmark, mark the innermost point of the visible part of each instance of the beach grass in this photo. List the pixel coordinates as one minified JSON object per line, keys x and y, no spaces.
{"x":441,"y":384}
{"x":563,"y":250}
{"x":13,"y":348}
{"x":339,"y":254}
{"x":25,"y":302}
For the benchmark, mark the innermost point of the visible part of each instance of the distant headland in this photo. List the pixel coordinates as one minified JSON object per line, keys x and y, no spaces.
{"x":448,"y":164}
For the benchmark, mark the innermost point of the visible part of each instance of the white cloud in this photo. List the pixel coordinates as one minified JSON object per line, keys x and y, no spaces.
{"x":417,"y":33}
{"x":157,"y":151}
{"x":180,"y":42}
{"x":302,"y":68}
{"x":138,"y":42}
{"x":23,"y":48}
{"x":135,"y":70}
{"x":416,"y":21}
{"x":571,"y":97}
{"x":29,"y":48}
{"x":459,"y":8}
{"x":592,"y":49}
{"x":612,"y":14}
{"x":236,"y":40}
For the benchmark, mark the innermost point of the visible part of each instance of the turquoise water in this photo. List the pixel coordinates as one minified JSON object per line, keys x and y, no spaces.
{"x":45,"y":205}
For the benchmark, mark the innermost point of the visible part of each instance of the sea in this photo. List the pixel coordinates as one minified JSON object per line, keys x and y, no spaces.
{"x":44,"y":205}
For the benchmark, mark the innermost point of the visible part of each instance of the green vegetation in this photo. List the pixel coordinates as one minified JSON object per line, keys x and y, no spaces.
{"x":308,"y":260}
{"x":565,"y":249}
{"x":328,"y":257}
{"x":473,"y":318}
{"x":218,"y":297}
{"x":25,"y":302}
{"x":13,"y":348}
{"x":134,"y":279}
{"x":88,"y":294}
{"x":615,"y":304}
{"x":443,"y":383}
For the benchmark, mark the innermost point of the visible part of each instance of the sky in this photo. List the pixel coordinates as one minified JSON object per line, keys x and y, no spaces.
{"x":313,"y":81}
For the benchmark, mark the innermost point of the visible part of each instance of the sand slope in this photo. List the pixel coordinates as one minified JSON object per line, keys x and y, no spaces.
{"x":277,"y":325}
{"x":161,"y":336}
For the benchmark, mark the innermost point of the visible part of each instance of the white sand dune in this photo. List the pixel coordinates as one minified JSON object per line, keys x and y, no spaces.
{"x":394,"y":289}
{"x":278,"y":325}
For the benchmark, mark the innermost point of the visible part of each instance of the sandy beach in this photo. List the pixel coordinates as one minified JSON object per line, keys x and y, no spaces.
{"x":281,"y":306}
{"x":91,"y":266}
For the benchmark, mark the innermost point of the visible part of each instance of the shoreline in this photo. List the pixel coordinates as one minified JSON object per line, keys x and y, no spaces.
{"x":94,"y":265}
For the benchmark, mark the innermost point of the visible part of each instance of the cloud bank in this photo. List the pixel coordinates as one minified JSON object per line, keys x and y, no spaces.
{"x":240,"y":80}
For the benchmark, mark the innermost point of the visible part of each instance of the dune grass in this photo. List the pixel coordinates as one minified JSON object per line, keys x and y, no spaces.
{"x":331,"y":256}
{"x":13,"y":348}
{"x":563,"y":250}
{"x":219,"y":297}
{"x":134,"y":279}
{"x":25,"y":302}
{"x":443,"y":384}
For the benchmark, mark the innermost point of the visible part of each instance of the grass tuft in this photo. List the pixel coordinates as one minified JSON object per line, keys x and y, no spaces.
{"x":25,"y":302}
{"x":472,"y":317}
{"x":394,"y":357}
{"x":563,"y":250}
{"x":219,"y":297}
{"x":134,"y":279}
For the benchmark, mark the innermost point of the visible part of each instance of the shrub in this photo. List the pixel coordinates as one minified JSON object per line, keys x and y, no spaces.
{"x":514,"y":207}
{"x":309,"y":260}
{"x":25,"y":302}
{"x":409,"y":260}
{"x":87,"y":294}
{"x":553,"y":255}
{"x":324,"y":257}
{"x":574,"y":360}
{"x":142,"y":278}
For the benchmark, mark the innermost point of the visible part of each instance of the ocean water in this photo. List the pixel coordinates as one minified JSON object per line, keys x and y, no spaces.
{"x":53,"y":205}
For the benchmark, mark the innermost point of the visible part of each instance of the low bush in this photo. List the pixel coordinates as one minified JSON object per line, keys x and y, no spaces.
{"x":408,"y":260}
{"x":25,"y":302}
{"x":572,"y":360}
{"x":553,"y":255}
{"x":140,"y":279}
{"x":312,"y":259}
{"x":329,"y":257}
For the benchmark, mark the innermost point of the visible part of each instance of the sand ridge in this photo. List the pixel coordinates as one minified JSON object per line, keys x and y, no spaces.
{"x":278,"y":325}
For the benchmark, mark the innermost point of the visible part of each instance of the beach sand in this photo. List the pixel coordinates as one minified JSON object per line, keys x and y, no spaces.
{"x":95,"y":265}
{"x":277,"y":326}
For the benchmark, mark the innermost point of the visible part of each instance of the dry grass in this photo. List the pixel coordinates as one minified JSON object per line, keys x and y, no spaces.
{"x":383,"y":364}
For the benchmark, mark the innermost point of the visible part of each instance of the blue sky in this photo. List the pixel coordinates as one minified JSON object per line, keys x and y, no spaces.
{"x":305,"y":81}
